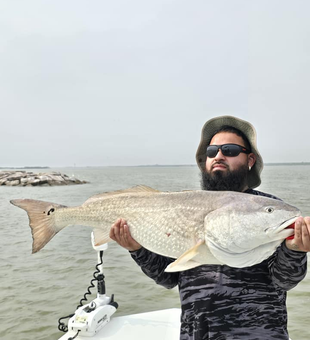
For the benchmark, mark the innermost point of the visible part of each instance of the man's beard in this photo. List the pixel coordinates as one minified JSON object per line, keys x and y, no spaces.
{"x":225,"y":180}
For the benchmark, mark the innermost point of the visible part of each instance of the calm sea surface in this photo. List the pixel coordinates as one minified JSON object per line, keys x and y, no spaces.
{"x":36,"y":290}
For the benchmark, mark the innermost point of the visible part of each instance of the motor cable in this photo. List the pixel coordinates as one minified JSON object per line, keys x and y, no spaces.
{"x":64,"y":327}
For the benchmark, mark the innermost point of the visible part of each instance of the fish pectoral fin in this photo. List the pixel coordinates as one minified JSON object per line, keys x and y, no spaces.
{"x":179,"y":267}
{"x":101,"y":236}
{"x":191,"y":253}
{"x":185,"y":261}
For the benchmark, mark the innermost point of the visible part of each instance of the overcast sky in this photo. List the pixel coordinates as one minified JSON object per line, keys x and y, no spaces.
{"x":95,"y":82}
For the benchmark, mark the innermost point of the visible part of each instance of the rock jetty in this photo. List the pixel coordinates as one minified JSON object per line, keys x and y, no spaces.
{"x":26,"y":178}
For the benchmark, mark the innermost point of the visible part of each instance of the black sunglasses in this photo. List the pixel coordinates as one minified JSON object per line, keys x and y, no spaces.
{"x":228,"y":150}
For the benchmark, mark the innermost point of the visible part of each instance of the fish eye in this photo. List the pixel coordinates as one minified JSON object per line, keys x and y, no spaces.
{"x":269,"y":209}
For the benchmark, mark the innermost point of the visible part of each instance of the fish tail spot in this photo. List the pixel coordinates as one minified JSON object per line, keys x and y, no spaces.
{"x":42,"y":226}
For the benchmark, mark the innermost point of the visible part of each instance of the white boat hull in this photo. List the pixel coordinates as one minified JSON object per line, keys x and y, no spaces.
{"x":163,"y":325}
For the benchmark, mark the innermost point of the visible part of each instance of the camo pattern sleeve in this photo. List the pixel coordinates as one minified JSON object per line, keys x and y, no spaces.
{"x":154,"y":265}
{"x":288,"y":267}
{"x":223,"y":303}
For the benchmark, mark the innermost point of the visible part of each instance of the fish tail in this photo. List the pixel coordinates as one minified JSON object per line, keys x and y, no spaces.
{"x":41,"y":220}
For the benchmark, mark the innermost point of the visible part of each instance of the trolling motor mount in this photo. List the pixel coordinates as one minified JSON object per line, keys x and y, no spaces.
{"x":89,"y":319}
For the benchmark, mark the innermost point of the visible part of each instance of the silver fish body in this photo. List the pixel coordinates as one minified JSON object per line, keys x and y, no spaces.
{"x":195,"y":227}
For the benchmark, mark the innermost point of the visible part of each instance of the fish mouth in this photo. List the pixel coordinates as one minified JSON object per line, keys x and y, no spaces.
{"x":284,"y":227}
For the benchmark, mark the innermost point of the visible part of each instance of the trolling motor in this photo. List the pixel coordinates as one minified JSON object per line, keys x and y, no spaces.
{"x":89,"y":319}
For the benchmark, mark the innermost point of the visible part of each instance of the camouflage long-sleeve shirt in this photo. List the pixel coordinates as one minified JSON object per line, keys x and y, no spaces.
{"x":219,"y":302}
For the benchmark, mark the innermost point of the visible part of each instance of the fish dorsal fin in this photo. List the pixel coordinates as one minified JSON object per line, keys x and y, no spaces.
{"x":135,"y":189}
{"x":140,"y":188}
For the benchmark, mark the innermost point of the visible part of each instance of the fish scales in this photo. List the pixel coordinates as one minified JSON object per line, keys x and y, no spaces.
{"x":152,"y":219}
{"x":194,"y":227}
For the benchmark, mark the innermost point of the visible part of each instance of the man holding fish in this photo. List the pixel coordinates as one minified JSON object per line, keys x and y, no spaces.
{"x":219,"y":301}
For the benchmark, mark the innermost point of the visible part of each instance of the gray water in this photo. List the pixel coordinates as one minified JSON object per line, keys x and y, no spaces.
{"x":36,"y":290}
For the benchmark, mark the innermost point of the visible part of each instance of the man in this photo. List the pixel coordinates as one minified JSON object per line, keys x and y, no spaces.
{"x":219,"y":302}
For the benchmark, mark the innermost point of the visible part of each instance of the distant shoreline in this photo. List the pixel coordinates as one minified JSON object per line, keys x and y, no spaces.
{"x":24,"y":167}
{"x":136,"y":166}
{"x":297,"y":163}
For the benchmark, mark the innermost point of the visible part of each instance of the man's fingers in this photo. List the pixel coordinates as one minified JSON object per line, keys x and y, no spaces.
{"x":297,"y":231}
{"x":120,"y":233}
{"x":305,"y":236}
{"x":114,"y":231}
{"x":125,"y":233}
{"x":301,"y":241}
{"x":117,"y":232}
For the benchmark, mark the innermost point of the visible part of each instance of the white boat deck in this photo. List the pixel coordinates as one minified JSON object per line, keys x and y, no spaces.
{"x":158,"y":325}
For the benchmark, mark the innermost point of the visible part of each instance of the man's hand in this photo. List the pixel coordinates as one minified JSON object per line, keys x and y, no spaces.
{"x":121,"y":234}
{"x":301,"y":240}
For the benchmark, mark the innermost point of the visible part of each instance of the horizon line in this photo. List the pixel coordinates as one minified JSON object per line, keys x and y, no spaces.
{"x":140,"y":165}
